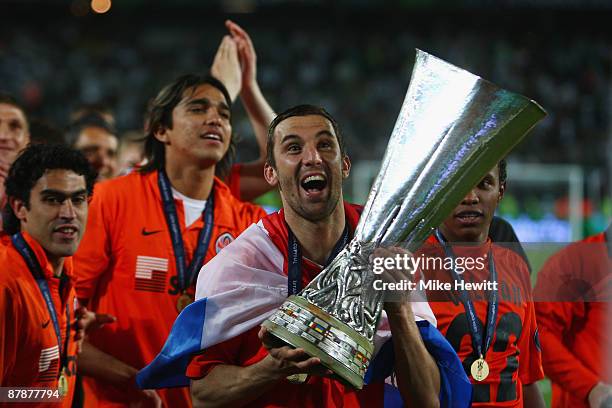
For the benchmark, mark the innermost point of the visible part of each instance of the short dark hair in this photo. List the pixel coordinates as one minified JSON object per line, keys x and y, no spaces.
{"x":9,"y":99}
{"x":301,"y":110}
{"x":91,"y":119}
{"x":159,"y":115}
{"x":31,"y":165}
{"x":98,"y":108}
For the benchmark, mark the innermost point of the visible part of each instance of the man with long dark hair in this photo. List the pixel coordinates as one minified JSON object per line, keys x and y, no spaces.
{"x":151,"y":231}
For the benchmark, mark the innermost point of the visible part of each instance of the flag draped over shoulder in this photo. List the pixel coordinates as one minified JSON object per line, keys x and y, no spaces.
{"x":238,"y":290}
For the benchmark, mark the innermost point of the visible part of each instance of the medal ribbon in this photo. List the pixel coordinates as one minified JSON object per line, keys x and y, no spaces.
{"x":186,"y":273}
{"x":30,"y":259}
{"x":477,"y":343}
{"x":294,"y":266}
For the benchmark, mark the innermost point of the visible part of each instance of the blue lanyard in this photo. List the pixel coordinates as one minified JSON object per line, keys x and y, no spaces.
{"x":294,"y":267}
{"x":30,"y":259}
{"x":186,"y":273}
{"x":492,"y":307}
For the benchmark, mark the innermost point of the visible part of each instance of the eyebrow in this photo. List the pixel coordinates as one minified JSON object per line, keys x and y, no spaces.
{"x":294,"y":136}
{"x":51,"y":191}
{"x":206,"y":101}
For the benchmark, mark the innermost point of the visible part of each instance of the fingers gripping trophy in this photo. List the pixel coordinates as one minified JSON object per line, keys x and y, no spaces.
{"x":452,"y":128}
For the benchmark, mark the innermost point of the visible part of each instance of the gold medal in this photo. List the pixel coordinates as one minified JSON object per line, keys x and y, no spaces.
{"x":62,"y":384}
{"x":183,"y":301}
{"x":479,"y":369}
{"x":297,"y":378}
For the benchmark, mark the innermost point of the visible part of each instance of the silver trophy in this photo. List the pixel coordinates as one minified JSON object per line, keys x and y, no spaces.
{"x":453,"y":127}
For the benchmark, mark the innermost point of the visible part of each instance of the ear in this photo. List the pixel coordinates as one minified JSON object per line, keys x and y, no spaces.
{"x":19,"y":208}
{"x":502,"y":190}
{"x":346,"y":166}
{"x":270,"y":174}
{"x":161,"y":134}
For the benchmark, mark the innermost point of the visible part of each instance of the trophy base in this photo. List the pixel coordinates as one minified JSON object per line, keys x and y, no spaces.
{"x":339,"y":347}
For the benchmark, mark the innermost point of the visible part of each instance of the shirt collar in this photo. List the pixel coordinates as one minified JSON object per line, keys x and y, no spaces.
{"x":222,"y":195}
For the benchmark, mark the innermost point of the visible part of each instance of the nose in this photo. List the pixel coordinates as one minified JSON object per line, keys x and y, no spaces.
{"x":67,"y":210}
{"x":471,"y":198}
{"x":311,"y":157}
{"x":213,"y":117}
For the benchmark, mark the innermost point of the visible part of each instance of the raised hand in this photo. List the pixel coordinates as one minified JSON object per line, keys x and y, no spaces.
{"x":226,"y":67}
{"x":246,"y":52}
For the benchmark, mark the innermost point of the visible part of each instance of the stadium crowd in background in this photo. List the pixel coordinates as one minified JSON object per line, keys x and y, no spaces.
{"x":567,"y":72}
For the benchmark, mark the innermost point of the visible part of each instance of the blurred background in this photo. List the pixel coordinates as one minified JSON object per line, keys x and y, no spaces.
{"x":355,"y":59}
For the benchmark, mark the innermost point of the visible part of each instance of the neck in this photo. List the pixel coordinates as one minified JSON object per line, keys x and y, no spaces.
{"x":191,"y":181}
{"x":317,"y":238}
{"x":57,"y":264}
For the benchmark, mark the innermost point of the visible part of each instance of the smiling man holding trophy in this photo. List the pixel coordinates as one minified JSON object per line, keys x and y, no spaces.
{"x":452,"y":128}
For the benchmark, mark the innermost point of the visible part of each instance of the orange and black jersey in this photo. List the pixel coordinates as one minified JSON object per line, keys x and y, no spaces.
{"x":29,"y":353}
{"x":126,"y":267}
{"x":514,"y":356}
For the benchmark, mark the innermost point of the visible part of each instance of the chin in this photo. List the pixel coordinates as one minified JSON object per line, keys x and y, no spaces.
{"x":205,"y":153}
{"x":470,"y":235}
{"x":316,"y":212}
{"x":64,"y":250}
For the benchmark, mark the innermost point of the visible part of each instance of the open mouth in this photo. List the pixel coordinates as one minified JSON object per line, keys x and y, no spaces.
{"x":67,"y":231}
{"x":314,"y":183}
{"x":212,"y":136}
{"x":469,"y":216}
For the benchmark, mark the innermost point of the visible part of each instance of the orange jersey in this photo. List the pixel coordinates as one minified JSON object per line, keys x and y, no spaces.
{"x":514,"y":356}
{"x":576,"y":334}
{"x":126,"y":267}
{"x":233,"y":180}
{"x":29,"y":353}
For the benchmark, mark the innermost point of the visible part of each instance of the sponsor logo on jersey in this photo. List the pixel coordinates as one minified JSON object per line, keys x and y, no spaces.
{"x":224,"y":240}
{"x":151,"y":274}
{"x":48,"y":364}
{"x":146,"y":233}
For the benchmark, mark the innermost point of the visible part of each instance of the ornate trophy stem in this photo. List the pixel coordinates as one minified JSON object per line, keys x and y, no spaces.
{"x":453,"y":127}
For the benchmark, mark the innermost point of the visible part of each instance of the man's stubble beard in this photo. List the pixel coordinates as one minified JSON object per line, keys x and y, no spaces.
{"x":332,"y":203}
